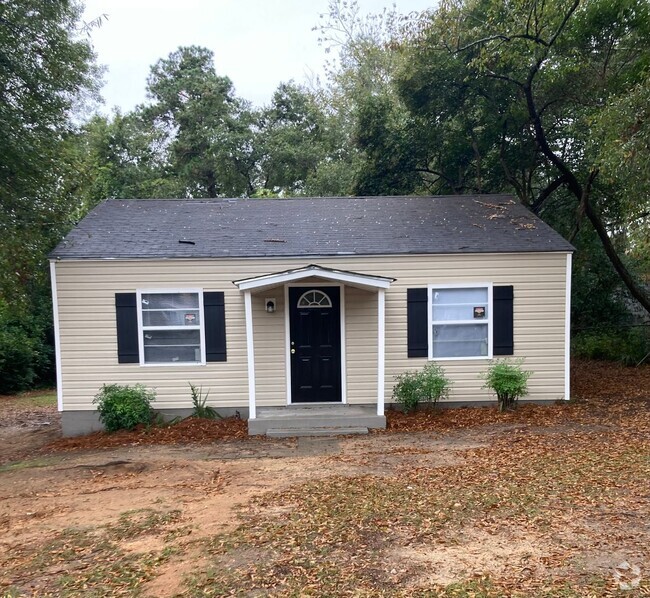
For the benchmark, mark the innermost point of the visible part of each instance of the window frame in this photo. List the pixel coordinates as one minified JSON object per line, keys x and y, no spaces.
{"x":489,"y":320}
{"x":142,"y":328}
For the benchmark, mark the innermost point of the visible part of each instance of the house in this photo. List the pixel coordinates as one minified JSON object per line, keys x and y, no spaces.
{"x":283,"y":307}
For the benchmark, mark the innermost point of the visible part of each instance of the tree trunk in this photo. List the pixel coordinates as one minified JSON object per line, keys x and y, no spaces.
{"x":582,"y":195}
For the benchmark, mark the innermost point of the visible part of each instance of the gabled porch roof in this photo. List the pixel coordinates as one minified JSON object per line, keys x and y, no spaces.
{"x":366,"y":282}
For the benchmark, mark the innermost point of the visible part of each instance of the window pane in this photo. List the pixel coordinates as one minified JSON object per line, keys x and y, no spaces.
{"x":460,"y":340}
{"x":169,"y":346}
{"x":170,"y":300}
{"x":459,"y":304}
{"x":180,"y":317}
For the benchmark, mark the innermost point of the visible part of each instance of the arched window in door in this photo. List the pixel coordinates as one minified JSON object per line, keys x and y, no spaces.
{"x":314,"y":298}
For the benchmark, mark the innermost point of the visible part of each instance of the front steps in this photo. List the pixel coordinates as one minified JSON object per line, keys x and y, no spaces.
{"x":315,"y":420}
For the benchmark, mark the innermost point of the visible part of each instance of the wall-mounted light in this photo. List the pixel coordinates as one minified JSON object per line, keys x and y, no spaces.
{"x":270,"y":305}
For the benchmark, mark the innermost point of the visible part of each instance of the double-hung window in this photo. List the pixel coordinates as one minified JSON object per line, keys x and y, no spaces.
{"x":460,"y":325}
{"x":171,"y":327}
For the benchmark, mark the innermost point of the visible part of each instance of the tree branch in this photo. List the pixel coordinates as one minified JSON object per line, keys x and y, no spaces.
{"x":546,"y":193}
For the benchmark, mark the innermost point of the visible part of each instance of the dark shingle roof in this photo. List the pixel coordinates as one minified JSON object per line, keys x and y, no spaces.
{"x":153,"y":228}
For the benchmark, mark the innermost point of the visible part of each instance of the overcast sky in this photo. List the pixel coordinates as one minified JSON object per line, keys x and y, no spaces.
{"x":257,"y":43}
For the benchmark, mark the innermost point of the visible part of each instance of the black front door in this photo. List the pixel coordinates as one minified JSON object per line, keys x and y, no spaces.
{"x":315,"y":343}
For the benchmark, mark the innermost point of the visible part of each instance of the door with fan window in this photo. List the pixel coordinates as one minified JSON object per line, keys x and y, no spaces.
{"x":315,"y":344}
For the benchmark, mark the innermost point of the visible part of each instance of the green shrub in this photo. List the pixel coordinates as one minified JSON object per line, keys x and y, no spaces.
{"x":508,"y":381}
{"x":124,"y":407}
{"x":426,"y":385}
{"x":625,"y":346}
{"x":24,"y":353}
{"x":199,"y":401}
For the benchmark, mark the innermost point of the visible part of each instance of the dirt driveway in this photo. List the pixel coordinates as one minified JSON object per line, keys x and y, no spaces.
{"x":554,"y":504}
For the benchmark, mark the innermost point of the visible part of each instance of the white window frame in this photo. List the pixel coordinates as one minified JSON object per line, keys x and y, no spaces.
{"x":489,"y":320}
{"x":201,"y":327}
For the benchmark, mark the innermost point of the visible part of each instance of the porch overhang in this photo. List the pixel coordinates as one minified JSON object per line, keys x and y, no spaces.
{"x":366,"y":282}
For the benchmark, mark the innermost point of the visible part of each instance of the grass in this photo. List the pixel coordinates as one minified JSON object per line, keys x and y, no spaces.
{"x":29,"y":400}
{"x":30,"y":463}
{"x":91,"y":561}
{"x":338,"y":534}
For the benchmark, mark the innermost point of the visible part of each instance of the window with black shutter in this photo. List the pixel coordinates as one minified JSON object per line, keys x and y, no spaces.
{"x":460,"y":321}
{"x":171,"y":327}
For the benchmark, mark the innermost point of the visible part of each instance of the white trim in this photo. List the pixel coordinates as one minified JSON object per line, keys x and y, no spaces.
{"x":567,"y":330}
{"x":489,"y":320}
{"x":302,"y":258}
{"x":344,"y":370}
{"x":344,"y":397}
{"x":364,"y":281}
{"x":287,"y":342}
{"x":381,"y":349}
{"x":57,"y":339}
{"x":250,"y":351}
{"x":200,"y":328}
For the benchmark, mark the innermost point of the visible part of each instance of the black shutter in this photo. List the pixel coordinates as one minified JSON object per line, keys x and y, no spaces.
{"x":126,"y":316}
{"x":417,"y":301}
{"x":215,"y":326}
{"x":503,"y":321}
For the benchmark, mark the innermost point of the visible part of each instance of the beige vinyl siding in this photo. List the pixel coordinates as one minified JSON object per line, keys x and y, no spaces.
{"x":361,"y":345}
{"x":270,"y":350}
{"x":86,"y":295}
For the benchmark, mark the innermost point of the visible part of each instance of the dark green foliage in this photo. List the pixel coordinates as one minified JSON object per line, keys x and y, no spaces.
{"x":46,"y":71}
{"x":427,"y":385}
{"x":25,"y":355}
{"x":508,"y":381}
{"x":199,"y":402}
{"x":124,"y":407}
{"x":628,"y":346}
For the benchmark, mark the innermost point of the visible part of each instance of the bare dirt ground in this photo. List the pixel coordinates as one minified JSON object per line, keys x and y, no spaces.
{"x":551,"y":501}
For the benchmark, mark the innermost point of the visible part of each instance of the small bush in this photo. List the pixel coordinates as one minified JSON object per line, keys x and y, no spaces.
{"x":124,"y":407}
{"x":625,"y":346}
{"x":199,"y":401}
{"x":427,"y":385}
{"x":508,"y":381}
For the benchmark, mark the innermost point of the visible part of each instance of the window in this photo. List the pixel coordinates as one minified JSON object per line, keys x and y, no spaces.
{"x":314,"y":299}
{"x":460,"y":324}
{"x":171,"y":327}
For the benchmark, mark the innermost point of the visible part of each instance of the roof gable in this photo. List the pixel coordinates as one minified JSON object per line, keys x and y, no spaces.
{"x":334,"y":226}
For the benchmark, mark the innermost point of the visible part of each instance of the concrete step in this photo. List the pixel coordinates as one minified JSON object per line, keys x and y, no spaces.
{"x":296,"y":418}
{"x":294,"y":432}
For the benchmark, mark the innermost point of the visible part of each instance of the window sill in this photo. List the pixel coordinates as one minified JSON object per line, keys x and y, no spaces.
{"x":173,"y":364}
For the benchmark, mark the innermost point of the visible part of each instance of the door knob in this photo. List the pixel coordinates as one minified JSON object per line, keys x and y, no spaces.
{"x":293,"y":351}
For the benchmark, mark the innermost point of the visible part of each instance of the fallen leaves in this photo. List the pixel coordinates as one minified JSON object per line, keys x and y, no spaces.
{"x":189,"y":430}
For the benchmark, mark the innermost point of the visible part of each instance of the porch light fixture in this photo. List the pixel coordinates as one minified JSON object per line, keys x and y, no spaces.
{"x":270,"y":305}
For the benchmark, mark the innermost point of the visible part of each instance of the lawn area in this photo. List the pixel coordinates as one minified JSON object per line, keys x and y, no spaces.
{"x":548,"y":501}
{"x":28,"y":400}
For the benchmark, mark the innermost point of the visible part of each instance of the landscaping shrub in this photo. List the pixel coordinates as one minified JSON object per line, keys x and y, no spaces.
{"x":124,"y":407}
{"x":199,"y":401}
{"x":426,"y":385}
{"x":625,"y":346}
{"x":508,"y":381}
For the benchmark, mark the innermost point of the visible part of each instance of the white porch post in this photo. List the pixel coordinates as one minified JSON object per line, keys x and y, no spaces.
{"x":567,"y":331}
{"x":250,"y":349}
{"x":381,"y":348}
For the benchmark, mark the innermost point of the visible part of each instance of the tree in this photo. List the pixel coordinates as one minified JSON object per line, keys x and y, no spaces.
{"x":523,"y":83}
{"x":207,"y":129}
{"x":291,"y":141}
{"x":46,"y":70}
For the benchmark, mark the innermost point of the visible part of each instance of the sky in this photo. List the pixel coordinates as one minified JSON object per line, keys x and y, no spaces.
{"x":257,"y":43}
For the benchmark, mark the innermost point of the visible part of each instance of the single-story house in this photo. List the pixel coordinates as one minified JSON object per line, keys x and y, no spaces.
{"x":286,"y":309}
